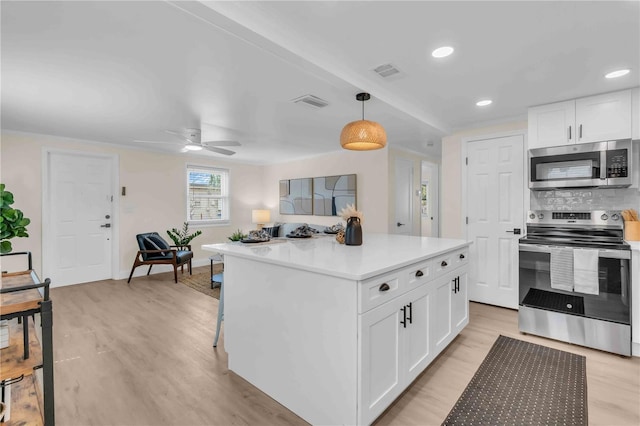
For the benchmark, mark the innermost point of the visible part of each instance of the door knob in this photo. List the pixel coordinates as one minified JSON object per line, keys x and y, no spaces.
{"x":106,"y":225}
{"x":516,"y":231}
{"x":400,"y":224}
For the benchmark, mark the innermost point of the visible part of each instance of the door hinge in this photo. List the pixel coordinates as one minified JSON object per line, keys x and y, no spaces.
{"x":466,"y":160}
{"x":467,"y":220}
{"x":112,"y":198}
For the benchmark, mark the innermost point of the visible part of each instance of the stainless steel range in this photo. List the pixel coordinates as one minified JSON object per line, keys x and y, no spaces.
{"x":575,"y":279}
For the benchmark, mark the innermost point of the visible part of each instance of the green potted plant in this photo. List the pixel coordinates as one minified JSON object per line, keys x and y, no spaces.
{"x":12,"y":221}
{"x":182,"y":238}
{"x":237,"y":236}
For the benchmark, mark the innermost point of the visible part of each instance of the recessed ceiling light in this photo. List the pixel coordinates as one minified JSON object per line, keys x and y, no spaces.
{"x":617,"y":73}
{"x":484,"y":102}
{"x":441,"y":52}
{"x":192,"y":147}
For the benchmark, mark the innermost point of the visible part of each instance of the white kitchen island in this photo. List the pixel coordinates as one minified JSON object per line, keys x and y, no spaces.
{"x":335,"y":333}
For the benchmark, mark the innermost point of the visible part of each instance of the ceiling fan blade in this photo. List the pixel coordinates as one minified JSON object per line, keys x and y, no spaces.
{"x":221,"y":143}
{"x":219,"y":150}
{"x":160,"y":142}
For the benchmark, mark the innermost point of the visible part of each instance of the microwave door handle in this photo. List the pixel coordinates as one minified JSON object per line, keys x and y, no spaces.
{"x":569,"y":133}
{"x":603,"y":165}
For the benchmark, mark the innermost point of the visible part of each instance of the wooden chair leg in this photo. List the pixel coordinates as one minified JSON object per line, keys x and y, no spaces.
{"x":149,"y":269}
{"x":175,"y":273}
{"x":132,"y":269}
{"x":190,"y":272}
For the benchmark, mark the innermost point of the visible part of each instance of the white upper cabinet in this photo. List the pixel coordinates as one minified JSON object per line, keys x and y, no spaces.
{"x":552,"y":124}
{"x":591,"y":119}
{"x":604,"y":117}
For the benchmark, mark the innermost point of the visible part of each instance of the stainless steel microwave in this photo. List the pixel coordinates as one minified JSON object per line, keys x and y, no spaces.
{"x":585,"y":165}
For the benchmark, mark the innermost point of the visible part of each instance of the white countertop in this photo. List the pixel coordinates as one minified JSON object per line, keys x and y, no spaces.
{"x":635,"y":245}
{"x":379,"y":253}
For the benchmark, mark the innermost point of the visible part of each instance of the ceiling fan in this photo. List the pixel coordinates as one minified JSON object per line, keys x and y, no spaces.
{"x":192,"y":140}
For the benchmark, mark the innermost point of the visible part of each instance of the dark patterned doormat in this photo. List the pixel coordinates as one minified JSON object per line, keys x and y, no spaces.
{"x":522,"y":383}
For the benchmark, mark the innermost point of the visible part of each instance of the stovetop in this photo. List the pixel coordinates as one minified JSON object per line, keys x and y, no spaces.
{"x":595,"y":229}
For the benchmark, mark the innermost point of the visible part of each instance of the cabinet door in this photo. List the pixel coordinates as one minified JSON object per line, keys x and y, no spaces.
{"x":380,"y":371}
{"x":441,"y":310}
{"x":604,"y":117}
{"x":552,"y":125}
{"x":417,"y":351}
{"x":460,"y":303}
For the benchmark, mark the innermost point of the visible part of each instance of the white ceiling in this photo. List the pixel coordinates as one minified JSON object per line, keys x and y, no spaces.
{"x":122,"y":71}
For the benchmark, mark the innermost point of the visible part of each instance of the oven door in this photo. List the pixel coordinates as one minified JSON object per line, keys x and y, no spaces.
{"x":610,"y":304}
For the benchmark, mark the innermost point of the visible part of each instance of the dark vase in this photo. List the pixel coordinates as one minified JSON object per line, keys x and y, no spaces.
{"x":353,"y":233}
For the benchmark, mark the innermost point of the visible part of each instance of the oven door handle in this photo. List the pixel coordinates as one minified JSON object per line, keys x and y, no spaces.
{"x":540,"y":248}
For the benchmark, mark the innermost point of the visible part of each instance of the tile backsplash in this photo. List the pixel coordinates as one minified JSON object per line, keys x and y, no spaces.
{"x":586,"y":199}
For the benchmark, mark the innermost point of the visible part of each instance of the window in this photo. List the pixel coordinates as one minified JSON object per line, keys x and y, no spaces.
{"x":207,"y":195}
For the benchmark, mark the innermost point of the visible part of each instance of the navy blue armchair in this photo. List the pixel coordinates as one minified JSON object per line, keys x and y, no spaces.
{"x":155,"y":251}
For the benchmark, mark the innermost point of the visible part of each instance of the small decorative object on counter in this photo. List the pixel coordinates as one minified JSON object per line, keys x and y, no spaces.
{"x":353,"y":232}
{"x":631,"y":225}
{"x":340,"y":236}
{"x":303,"y":231}
{"x":237,"y":236}
{"x":257,"y":236}
{"x":334,"y":229}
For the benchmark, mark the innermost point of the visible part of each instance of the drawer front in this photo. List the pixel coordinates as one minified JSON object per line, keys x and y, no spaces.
{"x":418,"y":274}
{"x":461,"y":257}
{"x":450,"y":261}
{"x":444,"y":263}
{"x":378,"y":290}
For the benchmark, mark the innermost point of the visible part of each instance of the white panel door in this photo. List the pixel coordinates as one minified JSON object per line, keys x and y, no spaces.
{"x":495,"y":196}
{"x":78,"y":197}
{"x":404,"y":197}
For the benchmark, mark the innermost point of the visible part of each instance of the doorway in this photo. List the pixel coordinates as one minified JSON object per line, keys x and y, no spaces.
{"x":429,"y":200}
{"x":79,"y":239}
{"x":403,"y":224}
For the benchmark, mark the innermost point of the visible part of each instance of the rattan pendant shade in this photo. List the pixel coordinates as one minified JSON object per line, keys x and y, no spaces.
{"x":363,"y":135}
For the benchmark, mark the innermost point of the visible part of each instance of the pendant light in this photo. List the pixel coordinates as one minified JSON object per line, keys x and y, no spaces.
{"x":363,"y":135}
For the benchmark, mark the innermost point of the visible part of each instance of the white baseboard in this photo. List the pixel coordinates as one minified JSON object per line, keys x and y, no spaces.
{"x":158,"y":269}
{"x":635,"y":349}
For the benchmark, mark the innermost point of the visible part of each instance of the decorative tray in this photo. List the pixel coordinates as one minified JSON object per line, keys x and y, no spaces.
{"x":249,"y":241}
{"x":298,"y":236}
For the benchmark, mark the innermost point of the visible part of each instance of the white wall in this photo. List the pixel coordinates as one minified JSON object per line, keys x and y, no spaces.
{"x":156,"y":192}
{"x":451,"y":174}
{"x":371,"y":168}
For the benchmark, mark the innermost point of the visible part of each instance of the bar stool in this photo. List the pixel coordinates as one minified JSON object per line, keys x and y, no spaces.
{"x":219,"y":278}
{"x":216,"y":259}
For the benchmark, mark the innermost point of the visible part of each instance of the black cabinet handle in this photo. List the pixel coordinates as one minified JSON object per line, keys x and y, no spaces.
{"x":384,"y":287}
{"x":404,"y":315}
{"x":410,"y":306}
{"x":461,"y":256}
{"x":419,"y":273}
{"x":444,"y":263}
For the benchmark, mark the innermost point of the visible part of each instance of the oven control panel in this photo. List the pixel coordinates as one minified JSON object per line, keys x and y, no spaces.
{"x":596,"y":217}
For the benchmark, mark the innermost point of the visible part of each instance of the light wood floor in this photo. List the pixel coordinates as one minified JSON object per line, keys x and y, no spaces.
{"x":141,"y":354}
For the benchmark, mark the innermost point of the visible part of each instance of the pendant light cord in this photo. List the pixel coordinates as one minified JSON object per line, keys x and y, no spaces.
{"x":363,"y":110}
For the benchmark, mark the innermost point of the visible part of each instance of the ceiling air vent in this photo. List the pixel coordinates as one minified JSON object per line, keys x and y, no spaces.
{"x":310,"y":100}
{"x":386,"y":70}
